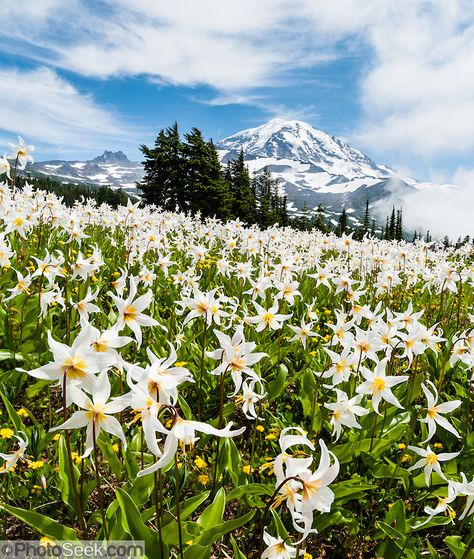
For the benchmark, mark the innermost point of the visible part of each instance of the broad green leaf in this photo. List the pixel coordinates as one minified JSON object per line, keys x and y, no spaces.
{"x":458,"y":547}
{"x":132,"y":522}
{"x":43,"y":524}
{"x":14,"y":417}
{"x":213,"y":514}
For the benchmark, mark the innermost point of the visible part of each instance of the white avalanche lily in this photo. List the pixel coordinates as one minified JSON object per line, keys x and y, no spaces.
{"x":268,"y":318}
{"x":236,"y":356}
{"x":434,"y":411}
{"x":130,"y":311}
{"x":78,"y":363}
{"x":344,"y":412}
{"x":379,"y":386}
{"x":12,"y":459}
{"x":430,"y":461}
{"x":159,"y":378}
{"x":277,"y":548}
{"x":184,"y":432}
{"x":97,"y":414}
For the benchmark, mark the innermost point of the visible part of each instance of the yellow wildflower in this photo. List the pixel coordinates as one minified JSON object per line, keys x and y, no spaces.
{"x":203,"y":479}
{"x":36,"y":465}
{"x":56,"y":437}
{"x":22,"y":412}
{"x":438,"y":445}
{"x":200,"y":463}
{"x":402,"y":446}
{"x":115,"y":447}
{"x":76,"y":458}
{"x":180,"y":363}
{"x":247,"y":469}
{"x":6,"y":433}
{"x":260,"y":428}
{"x":406,"y":458}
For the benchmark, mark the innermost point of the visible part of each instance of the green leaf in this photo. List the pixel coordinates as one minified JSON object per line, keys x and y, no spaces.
{"x":251,"y":489}
{"x":187,"y":508}
{"x":395,"y":536}
{"x":105,"y":445}
{"x":279,"y":526}
{"x":212,"y":534}
{"x":42,"y":524}
{"x":14,"y":417}
{"x":276,"y":387}
{"x":196,"y":551}
{"x":213,"y":514}
{"x":237,"y":553}
{"x":64,"y":484}
{"x":351,"y":489}
{"x":433,"y":553}
{"x":133,"y":524}
{"x":457,"y":547}
{"x":396,"y":517}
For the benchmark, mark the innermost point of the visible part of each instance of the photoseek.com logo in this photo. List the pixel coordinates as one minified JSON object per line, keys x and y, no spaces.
{"x":114,"y":549}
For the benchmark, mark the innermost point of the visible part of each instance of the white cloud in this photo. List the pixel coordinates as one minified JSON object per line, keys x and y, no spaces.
{"x":416,"y":82}
{"x":46,"y":109}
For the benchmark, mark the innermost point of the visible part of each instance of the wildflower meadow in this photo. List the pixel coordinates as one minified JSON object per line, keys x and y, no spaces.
{"x":219,"y":390}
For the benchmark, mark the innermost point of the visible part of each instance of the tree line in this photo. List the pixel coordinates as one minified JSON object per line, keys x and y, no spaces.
{"x":185,"y":174}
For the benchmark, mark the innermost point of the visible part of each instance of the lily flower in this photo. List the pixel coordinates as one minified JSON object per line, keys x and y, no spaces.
{"x":183,"y":432}
{"x":344,"y":412}
{"x":12,"y":459}
{"x":268,"y":318}
{"x":430,"y":461}
{"x":236,"y":355}
{"x":378,"y":385}
{"x":77,"y":363}
{"x":434,"y":411}
{"x":97,"y":414}
{"x":130,"y":311}
{"x":277,"y":548}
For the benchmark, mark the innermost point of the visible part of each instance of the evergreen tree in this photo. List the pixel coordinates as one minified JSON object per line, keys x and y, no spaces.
{"x":242,"y":195}
{"x":342,"y":226}
{"x":206,"y":188}
{"x":319,"y":221}
{"x":366,"y":220}
{"x":271,"y":207}
{"x":391,"y":226}
{"x":399,"y":226}
{"x":164,"y":180}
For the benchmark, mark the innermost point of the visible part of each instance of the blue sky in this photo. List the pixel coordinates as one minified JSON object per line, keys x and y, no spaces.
{"x":394,"y":78}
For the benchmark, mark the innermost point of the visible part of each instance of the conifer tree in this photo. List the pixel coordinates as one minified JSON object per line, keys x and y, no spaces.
{"x":366,"y":219}
{"x":206,"y":189}
{"x":164,"y":180}
{"x":320,"y":219}
{"x":242,"y":195}
{"x":342,"y":226}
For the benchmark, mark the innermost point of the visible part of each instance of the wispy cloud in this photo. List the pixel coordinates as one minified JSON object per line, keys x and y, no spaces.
{"x":415,"y":87}
{"x":49,"y":110}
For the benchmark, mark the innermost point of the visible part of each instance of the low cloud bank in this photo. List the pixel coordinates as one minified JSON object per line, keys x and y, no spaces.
{"x":441,"y":209}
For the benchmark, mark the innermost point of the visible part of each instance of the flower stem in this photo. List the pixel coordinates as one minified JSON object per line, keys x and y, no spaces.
{"x":178,"y":513}
{"x":97,"y":481}
{"x":72,"y":476}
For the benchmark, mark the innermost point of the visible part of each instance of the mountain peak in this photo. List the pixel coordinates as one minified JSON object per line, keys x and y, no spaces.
{"x":113,"y":157}
{"x":295,"y":140}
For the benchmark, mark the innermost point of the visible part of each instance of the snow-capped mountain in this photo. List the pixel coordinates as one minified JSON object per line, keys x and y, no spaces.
{"x":111,"y":168}
{"x":314,"y":167}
